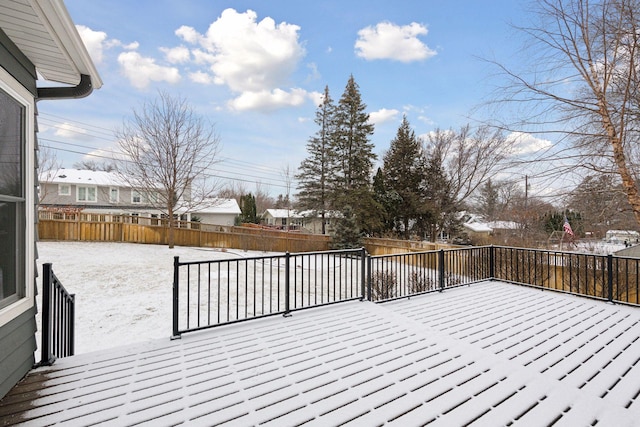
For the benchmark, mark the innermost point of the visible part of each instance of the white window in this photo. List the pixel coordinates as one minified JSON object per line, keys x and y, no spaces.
{"x":136,"y":196}
{"x":113,"y":194}
{"x":64,"y":189}
{"x":86,"y":193}
{"x":144,"y":197}
{"x":17,"y":193}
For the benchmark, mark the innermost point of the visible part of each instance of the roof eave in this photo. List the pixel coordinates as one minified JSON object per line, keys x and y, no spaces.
{"x":58,"y":23}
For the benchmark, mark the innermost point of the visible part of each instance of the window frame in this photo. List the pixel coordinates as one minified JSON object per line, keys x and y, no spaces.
{"x":117,"y":197}
{"x":27,"y":301}
{"x":86,"y":188}
{"x":64,"y":193}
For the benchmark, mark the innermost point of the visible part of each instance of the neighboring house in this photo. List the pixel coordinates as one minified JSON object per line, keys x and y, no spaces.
{"x":218,"y":212}
{"x":93,"y":192}
{"x":37,"y":39}
{"x":477,"y":230}
{"x":622,"y":236}
{"x":282,"y":218}
{"x":298,"y":220}
{"x":105,"y":193}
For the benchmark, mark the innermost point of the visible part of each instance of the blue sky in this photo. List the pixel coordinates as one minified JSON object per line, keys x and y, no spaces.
{"x":256,"y":69}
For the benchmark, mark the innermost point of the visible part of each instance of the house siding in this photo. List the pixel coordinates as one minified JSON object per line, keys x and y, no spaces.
{"x":17,"y":346}
{"x":17,"y":336}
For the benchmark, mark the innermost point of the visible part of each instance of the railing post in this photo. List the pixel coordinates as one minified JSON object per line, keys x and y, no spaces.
{"x":363,"y":273}
{"x":492,"y":262}
{"x":369,"y":274}
{"x":287,"y":261}
{"x":72,"y":328}
{"x":176,"y":281}
{"x":45,"y":355}
{"x":441,"y":269}
{"x":610,"y":277}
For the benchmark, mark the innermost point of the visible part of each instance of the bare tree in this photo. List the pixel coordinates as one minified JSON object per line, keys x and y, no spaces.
{"x":48,"y":167}
{"x":582,"y":84}
{"x":470,"y":156}
{"x":168,"y":150}
{"x":93,"y":165}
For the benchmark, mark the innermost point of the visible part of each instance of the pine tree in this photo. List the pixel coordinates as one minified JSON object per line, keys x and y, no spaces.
{"x":354,"y":151}
{"x":439,"y":206}
{"x":488,"y":200}
{"x":316,"y":170}
{"x":249,"y":213}
{"x":404,"y":170}
{"x":347,"y":233}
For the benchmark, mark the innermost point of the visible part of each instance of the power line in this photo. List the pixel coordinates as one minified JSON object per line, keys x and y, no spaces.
{"x":207,"y":175}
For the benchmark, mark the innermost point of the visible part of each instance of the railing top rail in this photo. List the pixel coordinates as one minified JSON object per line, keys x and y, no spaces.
{"x":555,"y":251}
{"x":275,"y":255}
{"x":433,"y":251}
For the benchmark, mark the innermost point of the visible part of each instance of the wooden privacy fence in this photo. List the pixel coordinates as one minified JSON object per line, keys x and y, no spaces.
{"x":189,"y":234}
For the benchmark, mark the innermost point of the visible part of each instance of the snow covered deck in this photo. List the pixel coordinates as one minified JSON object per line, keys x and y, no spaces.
{"x":487,"y":354}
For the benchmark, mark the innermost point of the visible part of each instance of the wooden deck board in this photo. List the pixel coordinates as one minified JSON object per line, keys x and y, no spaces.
{"x":487,"y":354}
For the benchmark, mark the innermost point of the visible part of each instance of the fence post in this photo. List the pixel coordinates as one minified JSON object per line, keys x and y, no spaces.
{"x":45,"y":355}
{"x":287,"y":260}
{"x":610,"y":277}
{"x":363,"y":273}
{"x":441,"y":269}
{"x":176,"y":278}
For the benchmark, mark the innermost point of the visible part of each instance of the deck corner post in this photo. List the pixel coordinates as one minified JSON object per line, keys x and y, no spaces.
{"x":610,"y":277}
{"x":492,"y":262}
{"x":46,"y":358}
{"x":287,"y":283}
{"x":441,"y":269}
{"x":176,"y":281}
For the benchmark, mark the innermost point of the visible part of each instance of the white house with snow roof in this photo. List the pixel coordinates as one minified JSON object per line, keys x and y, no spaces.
{"x":101,"y":192}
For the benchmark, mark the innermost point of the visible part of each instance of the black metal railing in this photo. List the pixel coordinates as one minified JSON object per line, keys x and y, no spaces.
{"x":608,"y":277}
{"x":58,"y":313}
{"x":211,"y":293}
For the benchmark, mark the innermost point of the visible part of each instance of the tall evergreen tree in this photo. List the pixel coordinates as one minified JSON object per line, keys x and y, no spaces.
{"x":439,"y":207}
{"x":347,"y":233}
{"x":248,"y":210}
{"x":404,"y":170}
{"x":354,"y":151}
{"x":316,"y":170}
{"x":488,"y":200}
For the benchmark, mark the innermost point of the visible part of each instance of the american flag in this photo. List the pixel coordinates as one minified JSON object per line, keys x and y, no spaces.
{"x":567,"y":227}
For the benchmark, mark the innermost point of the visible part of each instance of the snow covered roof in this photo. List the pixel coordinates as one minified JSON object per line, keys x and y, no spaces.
{"x":220,"y":206}
{"x":503,"y":225}
{"x":486,"y":354}
{"x":81,"y":176}
{"x":478,"y":227}
{"x":282,"y":213}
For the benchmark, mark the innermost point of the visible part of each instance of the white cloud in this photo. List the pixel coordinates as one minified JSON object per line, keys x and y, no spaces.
{"x":94,"y":41}
{"x":383,"y":115}
{"x":201,"y":77}
{"x":176,"y":55}
{"x":269,"y":100}
{"x":143,"y":70}
{"x":69,"y":131}
{"x":390,"y":41}
{"x":525,"y":143}
{"x":255,"y":59}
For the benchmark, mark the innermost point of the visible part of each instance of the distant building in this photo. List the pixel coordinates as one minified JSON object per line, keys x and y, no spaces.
{"x":622,"y":236}
{"x":290,"y":219}
{"x":105,"y":193}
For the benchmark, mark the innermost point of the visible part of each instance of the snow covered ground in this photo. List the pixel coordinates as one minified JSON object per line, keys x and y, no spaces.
{"x":123,"y":290}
